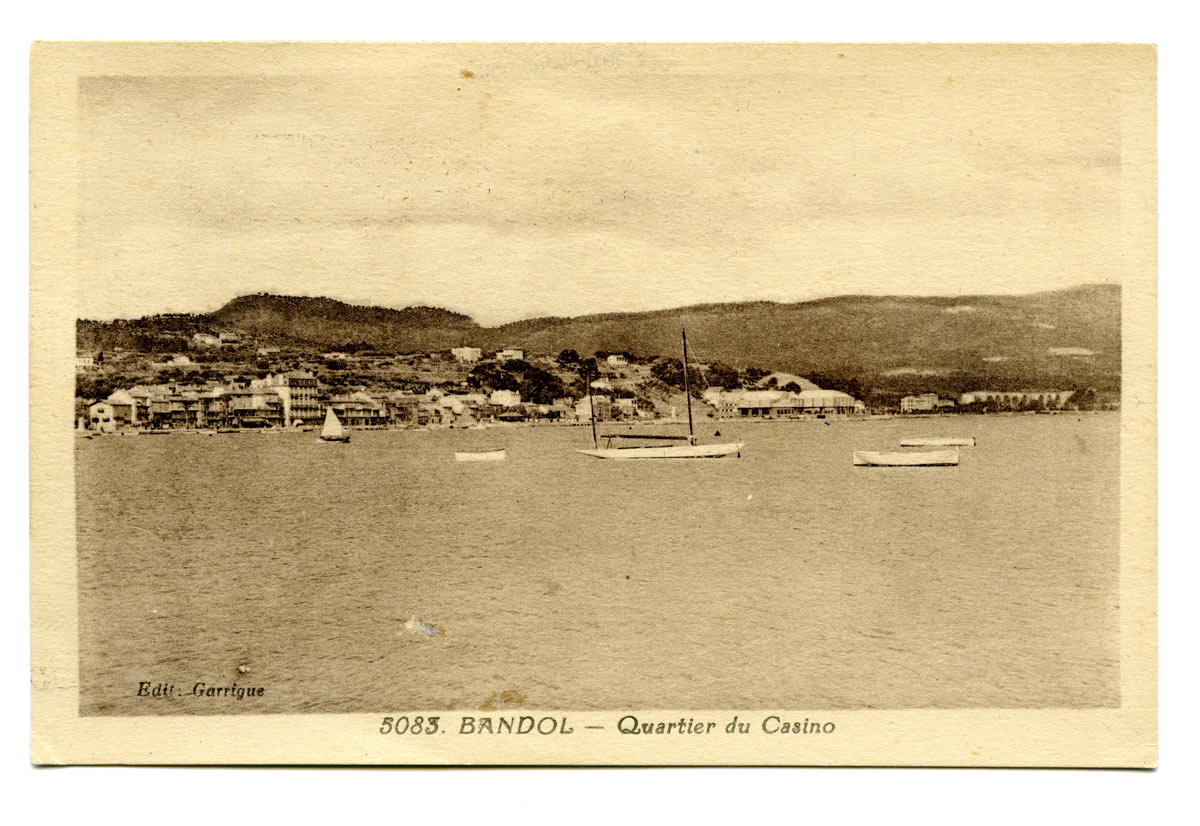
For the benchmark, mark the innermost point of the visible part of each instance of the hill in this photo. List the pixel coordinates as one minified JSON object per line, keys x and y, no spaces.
{"x":326,"y":322}
{"x":893,"y":343}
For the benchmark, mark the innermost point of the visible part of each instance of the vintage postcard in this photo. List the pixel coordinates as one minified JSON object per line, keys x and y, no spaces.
{"x":364,"y":375}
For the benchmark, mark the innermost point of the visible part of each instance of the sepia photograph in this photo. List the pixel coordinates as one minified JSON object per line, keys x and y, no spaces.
{"x":364,"y":377}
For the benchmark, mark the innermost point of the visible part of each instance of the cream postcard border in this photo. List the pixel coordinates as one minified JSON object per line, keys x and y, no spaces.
{"x":1123,"y":737}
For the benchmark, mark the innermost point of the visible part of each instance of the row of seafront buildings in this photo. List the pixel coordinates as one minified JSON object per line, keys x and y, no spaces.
{"x":295,"y":399}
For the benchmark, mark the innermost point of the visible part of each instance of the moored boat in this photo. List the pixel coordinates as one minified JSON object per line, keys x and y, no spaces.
{"x":940,"y":441}
{"x":687,"y":447}
{"x":687,"y":450}
{"x":924,"y":458}
{"x":496,"y":454}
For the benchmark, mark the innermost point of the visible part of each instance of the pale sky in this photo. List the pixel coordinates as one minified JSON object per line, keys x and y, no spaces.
{"x":510,"y":182}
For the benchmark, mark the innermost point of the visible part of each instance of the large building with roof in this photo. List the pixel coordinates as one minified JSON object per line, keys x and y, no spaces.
{"x":784,"y":404}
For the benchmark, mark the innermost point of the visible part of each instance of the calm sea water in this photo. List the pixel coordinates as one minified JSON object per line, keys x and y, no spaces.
{"x":785,"y":579}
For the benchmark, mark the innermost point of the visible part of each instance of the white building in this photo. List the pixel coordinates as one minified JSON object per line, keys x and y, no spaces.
{"x":101,"y":418}
{"x":466,"y":355}
{"x":511,"y":354}
{"x":583,"y":408}
{"x":298,"y":390}
{"x":919,"y":404}
{"x":616,"y":360}
{"x":780,"y":404}
{"x":505,"y":398}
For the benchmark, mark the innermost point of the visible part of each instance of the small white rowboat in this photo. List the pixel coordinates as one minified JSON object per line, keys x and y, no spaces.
{"x":900,"y":459}
{"x":493,"y":455}
{"x":940,"y":441}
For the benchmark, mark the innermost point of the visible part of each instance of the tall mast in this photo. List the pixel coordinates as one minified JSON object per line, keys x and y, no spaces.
{"x":587,"y":378}
{"x":687,"y":390}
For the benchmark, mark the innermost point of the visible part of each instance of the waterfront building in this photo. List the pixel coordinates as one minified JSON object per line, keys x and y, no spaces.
{"x":603,"y":408}
{"x":504,"y":398}
{"x":298,"y":391}
{"x":358,"y":410}
{"x":185,"y":410}
{"x":254,"y":407}
{"x":563,"y":408}
{"x":124,"y":408}
{"x":919,"y":404}
{"x":101,"y":418}
{"x":819,"y":401}
{"x":625,"y":408}
{"x":214,"y":408}
{"x":399,"y":407}
{"x":783,"y":404}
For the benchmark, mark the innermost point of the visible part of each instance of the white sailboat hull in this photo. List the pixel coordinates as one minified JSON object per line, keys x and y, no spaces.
{"x":913,"y":459}
{"x":947,"y":441}
{"x":668,"y":452}
{"x":497,"y":455}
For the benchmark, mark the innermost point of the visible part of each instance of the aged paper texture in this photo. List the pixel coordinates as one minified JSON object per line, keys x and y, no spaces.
{"x":340,"y":354}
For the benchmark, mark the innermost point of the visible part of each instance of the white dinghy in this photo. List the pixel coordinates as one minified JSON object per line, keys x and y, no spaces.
{"x":496,"y":454}
{"x":924,"y":458}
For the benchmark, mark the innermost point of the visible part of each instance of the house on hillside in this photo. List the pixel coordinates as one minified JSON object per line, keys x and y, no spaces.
{"x":466,"y":355}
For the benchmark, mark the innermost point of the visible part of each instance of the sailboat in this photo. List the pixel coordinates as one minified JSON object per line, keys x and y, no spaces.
{"x":685,"y":447}
{"x":332,"y":430}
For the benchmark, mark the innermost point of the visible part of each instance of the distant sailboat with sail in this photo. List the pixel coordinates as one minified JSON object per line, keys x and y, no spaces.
{"x":332,"y":431}
{"x":689,"y":449}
